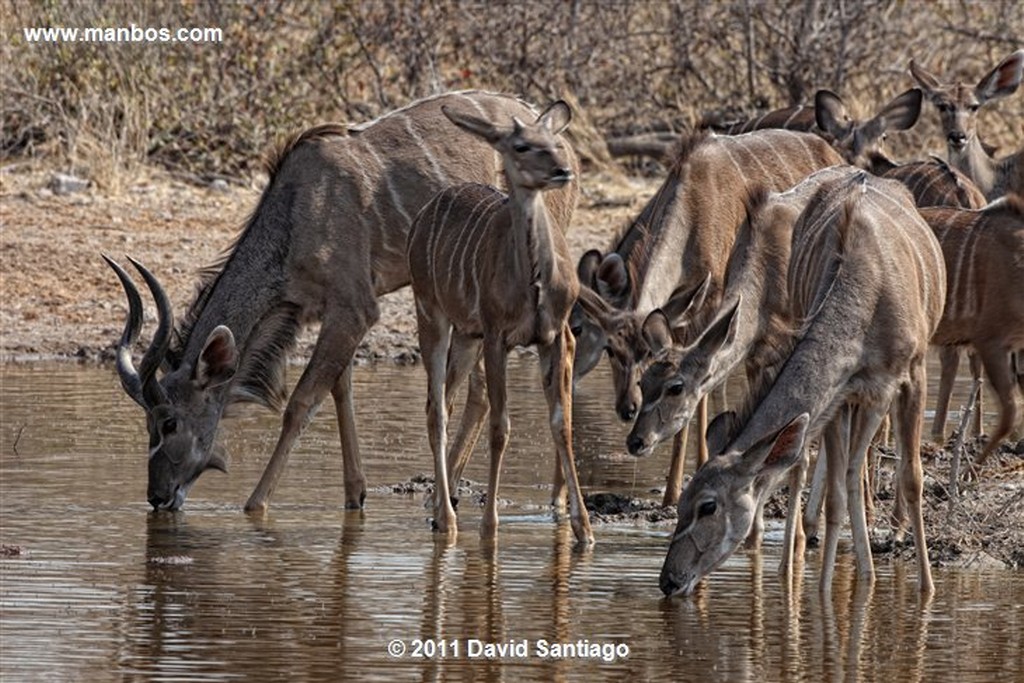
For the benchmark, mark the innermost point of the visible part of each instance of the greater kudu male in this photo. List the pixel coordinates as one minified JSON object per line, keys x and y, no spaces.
{"x":494,"y":266}
{"x":327,"y":237}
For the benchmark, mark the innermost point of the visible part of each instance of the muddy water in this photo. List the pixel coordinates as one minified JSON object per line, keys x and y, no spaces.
{"x":105,"y":590}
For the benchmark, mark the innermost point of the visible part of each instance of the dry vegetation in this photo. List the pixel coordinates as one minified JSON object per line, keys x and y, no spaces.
{"x":211,"y":109}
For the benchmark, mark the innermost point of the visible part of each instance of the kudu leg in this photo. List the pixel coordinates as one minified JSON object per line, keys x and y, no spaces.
{"x":674,"y":481}
{"x":331,"y":357}
{"x":556,"y":368}
{"x":702,"y":430}
{"x":495,"y":365}
{"x":979,"y":409}
{"x":1001,"y":378}
{"x":836,"y":438}
{"x":865,"y":425}
{"x":435,"y":338}
{"x":815,"y":497}
{"x":909,"y":416}
{"x":464,"y":359}
{"x":794,"y":540}
{"x":949,"y":362}
{"x":355,"y":480}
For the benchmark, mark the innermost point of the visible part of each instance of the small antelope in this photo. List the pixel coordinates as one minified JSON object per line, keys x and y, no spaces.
{"x":681,"y":238}
{"x":984,"y":252}
{"x":866,"y":276}
{"x":958,"y":106}
{"x":485,"y":264}
{"x":327,"y":237}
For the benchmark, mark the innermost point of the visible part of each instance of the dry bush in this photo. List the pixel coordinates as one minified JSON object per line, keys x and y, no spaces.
{"x":211,"y":109}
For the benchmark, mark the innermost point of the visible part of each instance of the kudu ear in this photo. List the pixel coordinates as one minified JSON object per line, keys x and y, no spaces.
{"x":723,"y":330}
{"x":593,"y":305}
{"x":556,"y":117}
{"x":218,"y":360}
{"x":902,"y":112}
{"x":830,"y":113}
{"x":1002,"y":80}
{"x":657,"y":331}
{"x":217,"y":462}
{"x":474,"y":124}
{"x":684,"y":302}
{"x":613,"y":280}
{"x":720,"y":432}
{"x":927,"y":80}
{"x":586,"y":269}
{"x":777,"y":452}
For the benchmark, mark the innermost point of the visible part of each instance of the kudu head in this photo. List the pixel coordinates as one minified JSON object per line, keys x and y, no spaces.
{"x":861,"y":142}
{"x":958,"y":104}
{"x":590,"y":336}
{"x":629,"y":350}
{"x":534,"y":156}
{"x":718,"y":506}
{"x":671,"y":388}
{"x":182,"y":408}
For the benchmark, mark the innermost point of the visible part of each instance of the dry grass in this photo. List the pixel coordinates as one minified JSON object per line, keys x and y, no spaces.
{"x":211,"y":109}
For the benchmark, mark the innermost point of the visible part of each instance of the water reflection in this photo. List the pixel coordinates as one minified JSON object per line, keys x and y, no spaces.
{"x":106,"y":589}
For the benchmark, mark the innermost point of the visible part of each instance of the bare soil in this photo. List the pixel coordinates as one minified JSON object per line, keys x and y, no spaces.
{"x":60,"y":301}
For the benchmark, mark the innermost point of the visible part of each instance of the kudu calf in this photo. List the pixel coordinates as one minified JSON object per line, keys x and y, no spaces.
{"x":866,"y":278}
{"x":958,"y":105}
{"x":327,"y":237}
{"x":984,"y":252}
{"x":677,"y":248}
{"x":485,"y":264}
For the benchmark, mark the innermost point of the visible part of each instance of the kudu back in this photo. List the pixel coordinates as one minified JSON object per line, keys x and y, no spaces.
{"x":327,"y":237}
{"x":867,"y":279}
{"x":859,"y":141}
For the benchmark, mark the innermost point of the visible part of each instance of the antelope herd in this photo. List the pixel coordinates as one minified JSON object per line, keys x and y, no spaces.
{"x":790,"y":244}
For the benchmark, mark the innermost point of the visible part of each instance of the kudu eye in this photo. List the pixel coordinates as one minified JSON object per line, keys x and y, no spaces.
{"x":521,"y":148}
{"x":576,"y":330}
{"x":706,"y":508}
{"x":169,"y":426}
{"x":674,"y":389}
{"x":974,"y":107}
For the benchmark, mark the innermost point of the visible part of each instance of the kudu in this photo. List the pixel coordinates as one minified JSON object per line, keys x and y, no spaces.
{"x":958,"y":105}
{"x":753,"y":324}
{"x":936,"y":183}
{"x":866,"y":278}
{"x":494,"y":266}
{"x":681,"y":238}
{"x":327,"y":237}
{"x":984,"y":252}
{"x":860,"y":142}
